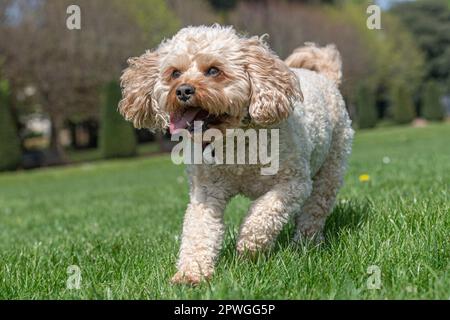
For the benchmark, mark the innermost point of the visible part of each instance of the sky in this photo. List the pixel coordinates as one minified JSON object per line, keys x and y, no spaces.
{"x":386,"y":4}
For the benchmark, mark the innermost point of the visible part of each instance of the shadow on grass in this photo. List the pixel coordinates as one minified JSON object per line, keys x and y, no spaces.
{"x":346,"y":216}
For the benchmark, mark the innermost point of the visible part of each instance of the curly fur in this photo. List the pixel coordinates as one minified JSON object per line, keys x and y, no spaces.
{"x":254,"y":77}
{"x":314,"y":127}
{"x":139,"y":104}
{"x":274,"y":87}
{"x":326,"y":60}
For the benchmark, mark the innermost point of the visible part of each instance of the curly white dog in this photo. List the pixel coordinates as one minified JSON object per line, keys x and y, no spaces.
{"x":232,"y":81}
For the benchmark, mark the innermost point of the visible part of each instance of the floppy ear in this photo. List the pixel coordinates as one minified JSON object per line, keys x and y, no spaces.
{"x":139,"y":104}
{"x":274,"y":86}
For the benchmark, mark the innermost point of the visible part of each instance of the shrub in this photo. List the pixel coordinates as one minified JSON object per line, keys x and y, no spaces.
{"x":10,"y":149}
{"x":402,"y":105}
{"x":365,"y":103}
{"x":117,"y":137}
{"x":432,"y":108}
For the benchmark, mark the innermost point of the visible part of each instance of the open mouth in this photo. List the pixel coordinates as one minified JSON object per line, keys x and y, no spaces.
{"x":186,"y":118}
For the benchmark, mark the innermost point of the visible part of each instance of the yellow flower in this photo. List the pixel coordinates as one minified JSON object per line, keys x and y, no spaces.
{"x":364,"y":178}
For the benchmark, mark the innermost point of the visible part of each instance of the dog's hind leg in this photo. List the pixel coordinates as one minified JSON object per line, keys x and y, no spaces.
{"x":326,"y":183}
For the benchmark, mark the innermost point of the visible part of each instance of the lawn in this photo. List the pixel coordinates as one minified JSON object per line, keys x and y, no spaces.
{"x":119,"y":222}
{"x":90,"y":155}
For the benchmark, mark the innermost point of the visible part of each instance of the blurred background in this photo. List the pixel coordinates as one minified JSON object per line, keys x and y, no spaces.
{"x":59,"y":88}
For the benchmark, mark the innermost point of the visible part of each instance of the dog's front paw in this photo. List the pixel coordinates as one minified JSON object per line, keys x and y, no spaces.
{"x":190,"y":278}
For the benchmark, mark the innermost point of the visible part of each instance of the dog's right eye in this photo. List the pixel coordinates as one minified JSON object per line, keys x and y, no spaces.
{"x":176,"y":74}
{"x":212,"y":72}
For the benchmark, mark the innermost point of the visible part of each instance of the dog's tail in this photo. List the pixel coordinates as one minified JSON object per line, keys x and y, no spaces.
{"x":326,"y":60}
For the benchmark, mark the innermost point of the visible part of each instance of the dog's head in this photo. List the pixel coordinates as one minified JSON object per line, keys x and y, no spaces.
{"x":208,"y":74}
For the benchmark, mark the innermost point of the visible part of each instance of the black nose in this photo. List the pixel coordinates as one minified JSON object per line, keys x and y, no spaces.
{"x":185,"y":92}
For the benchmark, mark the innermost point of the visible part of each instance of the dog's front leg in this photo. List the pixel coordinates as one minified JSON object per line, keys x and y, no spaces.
{"x":202,"y":237}
{"x":269,"y":213}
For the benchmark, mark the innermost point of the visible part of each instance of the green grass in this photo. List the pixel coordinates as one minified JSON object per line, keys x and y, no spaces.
{"x":90,"y":155}
{"x":120,"y":221}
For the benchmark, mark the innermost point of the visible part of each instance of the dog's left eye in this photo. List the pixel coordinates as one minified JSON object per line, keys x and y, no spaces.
{"x":213,"y":71}
{"x":176,"y":74}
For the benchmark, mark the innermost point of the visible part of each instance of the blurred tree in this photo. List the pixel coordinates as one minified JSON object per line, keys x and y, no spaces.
{"x":223,"y":4}
{"x":117,"y":137}
{"x":4,"y":5}
{"x":194,"y":12}
{"x":402,"y":105}
{"x":365,"y":103}
{"x":429,"y":21}
{"x":154,"y":18}
{"x":392,"y":57}
{"x":10,"y":149}
{"x":432,"y":108}
{"x":316,"y":1}
{"x":377,"y":57}
{"x":68,"y":67}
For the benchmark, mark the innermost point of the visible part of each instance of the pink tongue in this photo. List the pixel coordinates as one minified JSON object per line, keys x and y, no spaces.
{"x":182,"y":122}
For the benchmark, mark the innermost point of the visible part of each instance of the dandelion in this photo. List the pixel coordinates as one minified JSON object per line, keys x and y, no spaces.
{"x":386,"y":160}
{"x":364,"y":178}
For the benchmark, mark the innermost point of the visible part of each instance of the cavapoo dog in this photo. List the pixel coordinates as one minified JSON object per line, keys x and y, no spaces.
{"x":236,"y":81}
